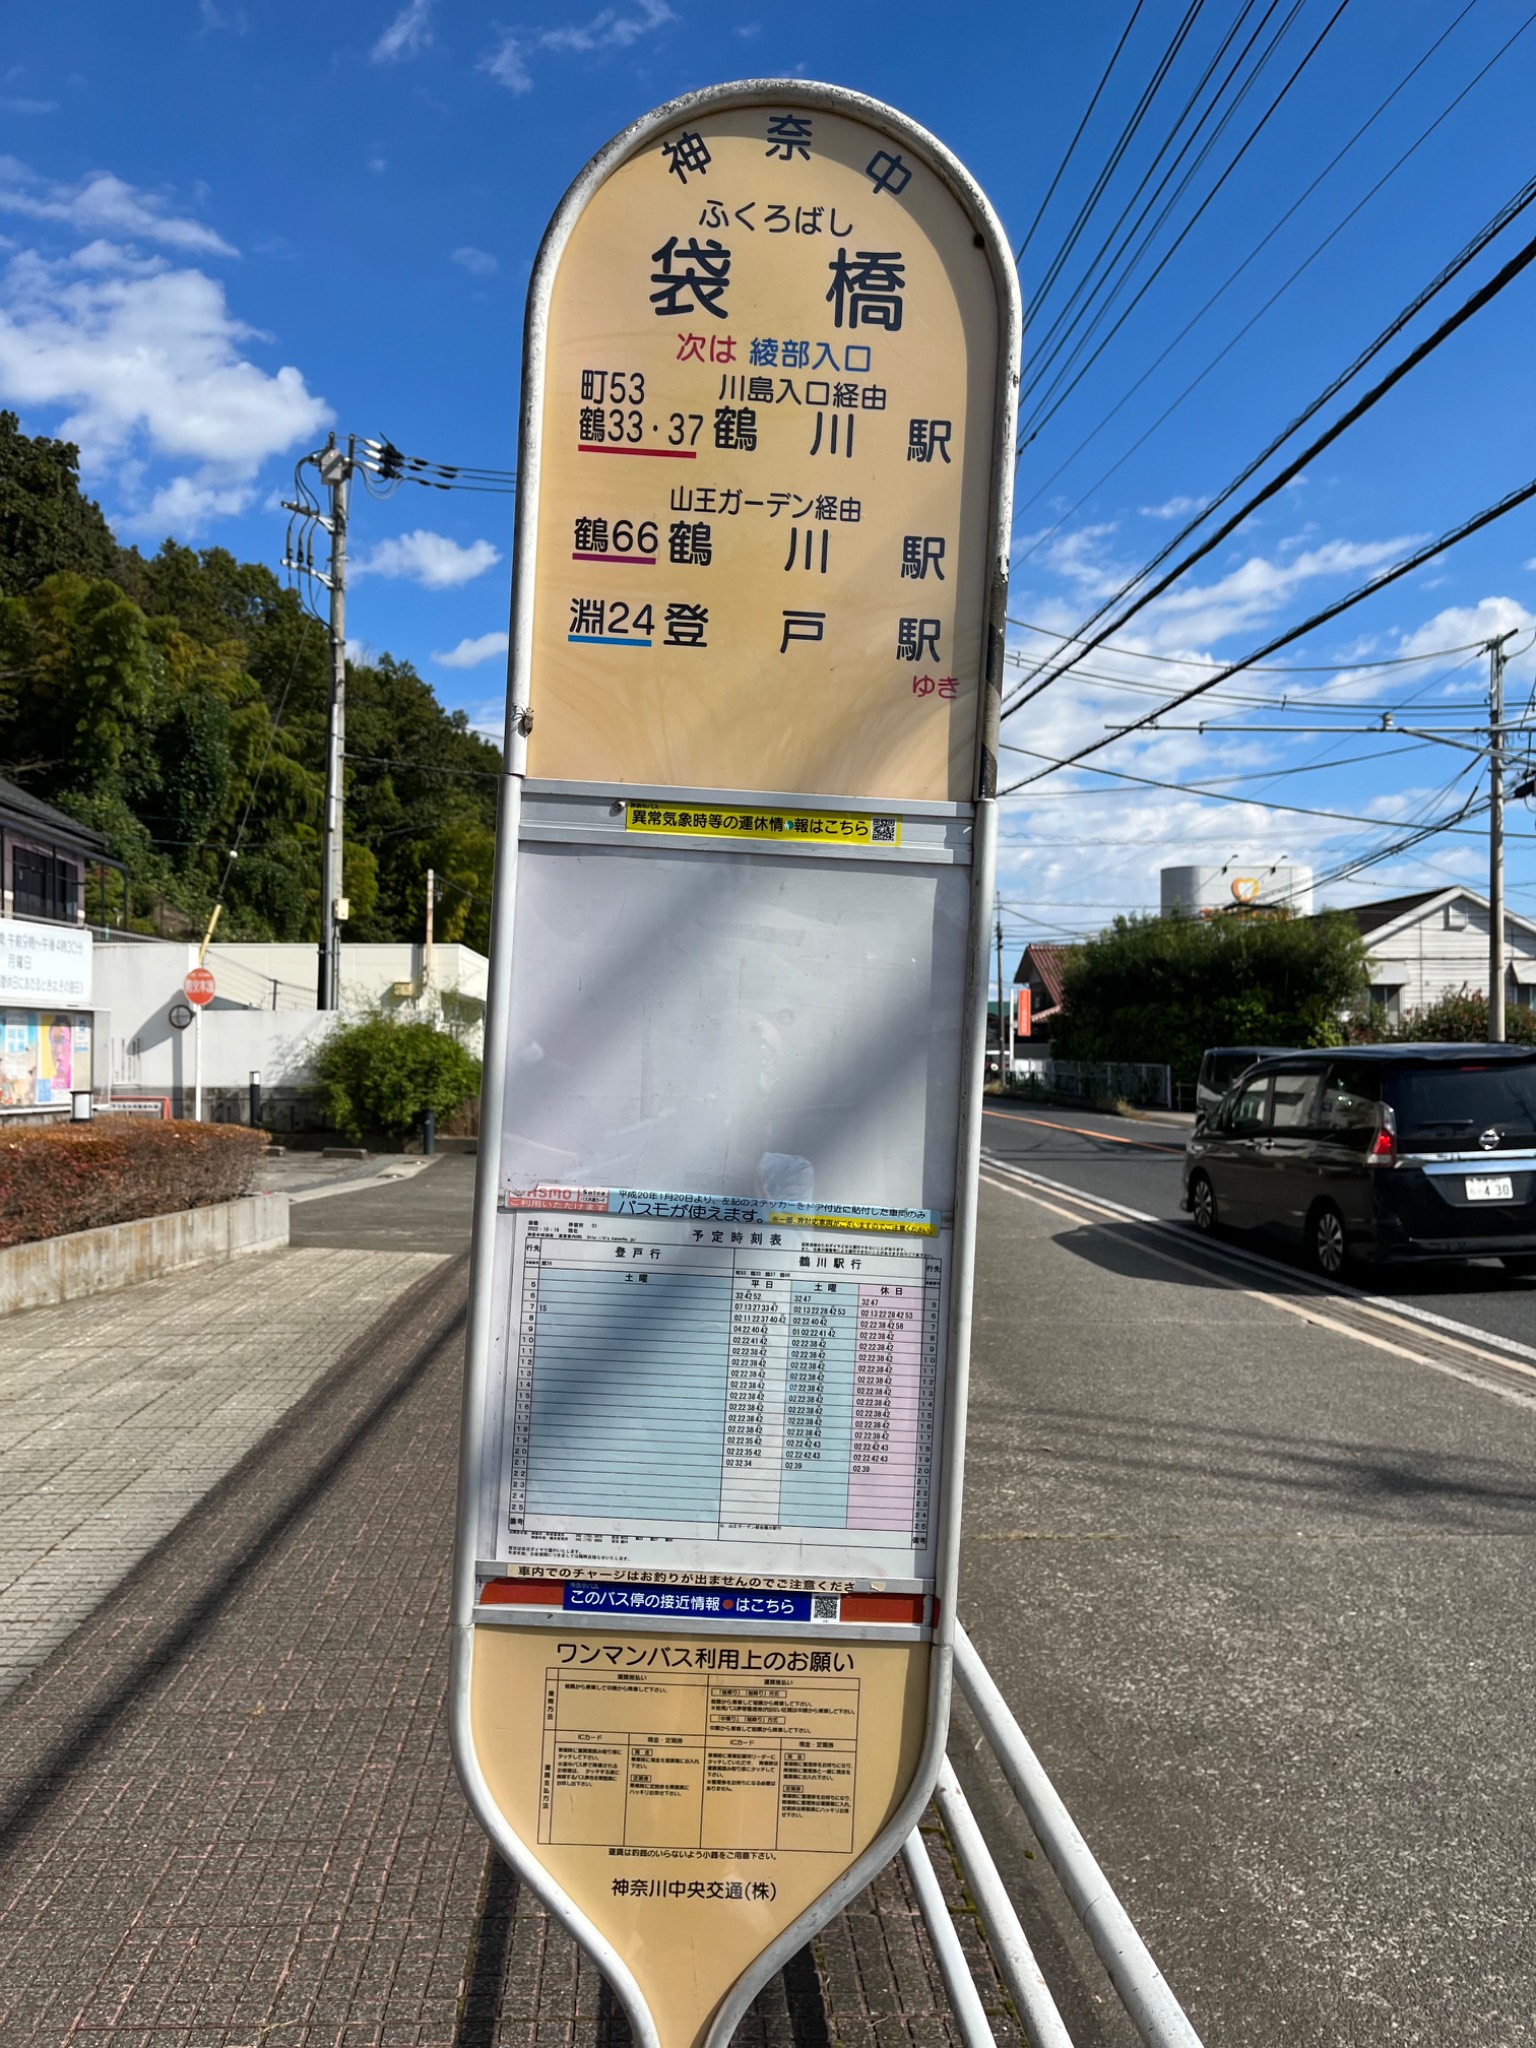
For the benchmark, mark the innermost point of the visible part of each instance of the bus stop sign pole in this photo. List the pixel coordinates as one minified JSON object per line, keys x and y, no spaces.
{"x":714,"y":1407}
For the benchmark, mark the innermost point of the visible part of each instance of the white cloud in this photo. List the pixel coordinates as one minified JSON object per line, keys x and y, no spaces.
{"x":1257,"y":588}
{"x":154,"y":355}
{"x":507,"y":64}
{"x":470,"y":653}
{"x":609,"y":30}
{"x":614,"y":28}
{"x":1173,"y":508}
{"x":1198,"y":616}
{"x":409,"y":33}
{"x":478,"y":262}
{"x":430,"y":559}
{"x":103,"y":204}
{"x":11,"y":105}
{"x":187,"y":504}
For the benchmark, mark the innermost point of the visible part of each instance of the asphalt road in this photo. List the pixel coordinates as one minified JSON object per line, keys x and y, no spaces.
{"x":432,"y":1211}
{"x":1140,"y":1164}
{"x":1255,"y":1569}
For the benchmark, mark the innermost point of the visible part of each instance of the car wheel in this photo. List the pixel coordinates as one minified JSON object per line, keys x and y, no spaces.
{"x":1202,"y":1204}
{"x":1522,"y":1265}
{"x":1326,"y":1247}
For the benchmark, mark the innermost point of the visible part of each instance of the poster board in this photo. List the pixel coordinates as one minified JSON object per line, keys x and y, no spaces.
{"x":719,"y":1317}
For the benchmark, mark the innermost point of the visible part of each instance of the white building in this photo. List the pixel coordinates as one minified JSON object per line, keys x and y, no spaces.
{"x":1435,"y":944}
{"x":1237,"y":885}
{"x":262,"y":1018}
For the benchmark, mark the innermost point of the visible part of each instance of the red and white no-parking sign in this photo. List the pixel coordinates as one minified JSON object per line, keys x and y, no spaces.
{"x":197,"y":986}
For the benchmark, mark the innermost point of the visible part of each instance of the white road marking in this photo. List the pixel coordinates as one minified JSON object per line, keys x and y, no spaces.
{"x":1401,"y":1311}
{"x":1304,"y":1311}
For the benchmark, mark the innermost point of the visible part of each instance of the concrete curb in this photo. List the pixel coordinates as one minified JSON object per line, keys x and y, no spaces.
{"x":375,"y":1175}
{"x":121,"y":1254}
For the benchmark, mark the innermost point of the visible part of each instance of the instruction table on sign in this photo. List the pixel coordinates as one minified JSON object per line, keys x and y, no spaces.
{"x":698,"y":1760}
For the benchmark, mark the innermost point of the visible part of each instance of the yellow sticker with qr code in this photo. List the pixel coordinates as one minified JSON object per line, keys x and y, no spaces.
{"x":824,"y":828}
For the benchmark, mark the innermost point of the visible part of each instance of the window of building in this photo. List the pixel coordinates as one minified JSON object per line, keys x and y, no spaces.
{"x":44,"y":884}
{"x":1388,"y":995}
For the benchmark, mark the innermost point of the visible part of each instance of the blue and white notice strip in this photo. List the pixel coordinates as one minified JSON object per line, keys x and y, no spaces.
{"x":717,"y":1603}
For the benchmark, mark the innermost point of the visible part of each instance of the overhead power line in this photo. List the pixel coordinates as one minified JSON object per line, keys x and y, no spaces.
{"x":1482,"y":297}
{"x":1035,"y":418}
{"x":1085,"y":282}
{"x":1272,"y":668}
{"x":1098,"y":90}
{"x":383,"y":460}
{"x":1273,"y":299}
{"x":1221,"y":796}
{"x":1112,"y":162}
{"x":1256,"y":777}
{"x":1510,"y":503}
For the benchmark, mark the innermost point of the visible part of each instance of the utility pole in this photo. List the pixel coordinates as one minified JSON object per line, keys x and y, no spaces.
{"x":335,"y":466}
{"x":426,"y":951}
{"x":998,"y":904}
{"x":1496,"y":837}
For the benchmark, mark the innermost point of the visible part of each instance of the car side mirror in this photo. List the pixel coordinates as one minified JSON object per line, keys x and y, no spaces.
{"x":1201,"y":1121}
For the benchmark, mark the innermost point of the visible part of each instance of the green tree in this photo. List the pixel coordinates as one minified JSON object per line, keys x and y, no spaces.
{"x":47,"y":524}
{"x":1163,"y":989}
{"x":81,"y":672}
{"x":178,"y":702}
{"x":384,"y":1075}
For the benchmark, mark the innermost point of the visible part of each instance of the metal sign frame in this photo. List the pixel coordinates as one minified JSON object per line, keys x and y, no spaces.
{"x":988,"y":235}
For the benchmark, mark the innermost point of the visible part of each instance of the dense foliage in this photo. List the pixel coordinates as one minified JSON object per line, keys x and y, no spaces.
{"x":1163,"y":989}
{"x":384,"y":1075}
{"x":1454,"y":1020}
{"x":169,"y":701}
{"x":58,"y":1178}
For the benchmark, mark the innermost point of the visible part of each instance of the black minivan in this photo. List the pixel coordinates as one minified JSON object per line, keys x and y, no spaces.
{"x":1381,"y":1153}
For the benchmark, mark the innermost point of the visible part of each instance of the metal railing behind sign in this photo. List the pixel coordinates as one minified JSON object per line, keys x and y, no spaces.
{"x":1153,"y":2010}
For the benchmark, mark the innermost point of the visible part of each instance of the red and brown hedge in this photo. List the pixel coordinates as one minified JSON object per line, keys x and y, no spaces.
{"x":64,"y":1177}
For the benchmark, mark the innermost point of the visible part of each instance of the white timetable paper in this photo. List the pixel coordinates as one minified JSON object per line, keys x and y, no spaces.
{"x":748,"y":1393}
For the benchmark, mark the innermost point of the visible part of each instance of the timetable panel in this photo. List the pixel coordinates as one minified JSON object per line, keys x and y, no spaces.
{"x":680,"y":1383}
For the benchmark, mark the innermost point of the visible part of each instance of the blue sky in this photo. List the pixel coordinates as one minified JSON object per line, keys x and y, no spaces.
{"x":225,"y":229}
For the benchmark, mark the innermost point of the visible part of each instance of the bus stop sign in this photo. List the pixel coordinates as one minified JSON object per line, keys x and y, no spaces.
{"x":720,"y":1306}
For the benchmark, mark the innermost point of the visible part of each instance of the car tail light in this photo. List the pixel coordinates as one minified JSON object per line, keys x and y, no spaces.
{"x":1384,"y":1145}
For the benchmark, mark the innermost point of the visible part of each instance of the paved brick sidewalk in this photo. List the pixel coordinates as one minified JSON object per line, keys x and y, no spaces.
{"x":227,"y":1810}
{"x":119,"y":1412}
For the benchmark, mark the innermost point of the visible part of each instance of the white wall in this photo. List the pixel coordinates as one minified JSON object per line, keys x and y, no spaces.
{"x":137,"y":982}
{"x":1438,"y":955}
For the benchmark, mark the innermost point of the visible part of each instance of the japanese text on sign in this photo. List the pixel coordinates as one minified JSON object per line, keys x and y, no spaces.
{"x":768,"y":381}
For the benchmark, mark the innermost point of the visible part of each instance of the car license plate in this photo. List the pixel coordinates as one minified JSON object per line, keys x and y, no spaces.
{"x":1490,"y":1188}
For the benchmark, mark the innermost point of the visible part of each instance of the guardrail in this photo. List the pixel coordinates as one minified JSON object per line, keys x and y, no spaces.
{"x":1136,"y":1081}
{"x":1153,"y":2010}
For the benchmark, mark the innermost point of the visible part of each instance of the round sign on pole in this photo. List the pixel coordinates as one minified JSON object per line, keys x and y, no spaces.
{"x":719,"y":1320}
{"x":198,"y":986}
{"x":179,"y":1016}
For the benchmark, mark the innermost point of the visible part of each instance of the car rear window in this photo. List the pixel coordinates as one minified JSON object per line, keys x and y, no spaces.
{"x":1450,"y":1102}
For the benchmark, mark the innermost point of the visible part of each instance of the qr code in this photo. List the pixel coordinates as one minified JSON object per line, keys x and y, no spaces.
{"x":823,"y":1607}
{"x":882,"y":831}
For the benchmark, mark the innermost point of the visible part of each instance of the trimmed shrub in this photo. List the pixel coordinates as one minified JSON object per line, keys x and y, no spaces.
{"x":385,"y":1076}
{"x":65,"y":1177}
